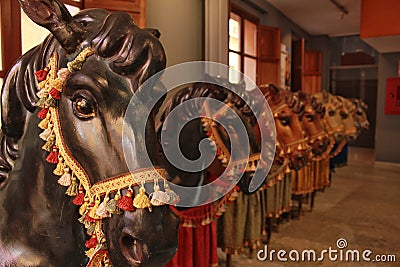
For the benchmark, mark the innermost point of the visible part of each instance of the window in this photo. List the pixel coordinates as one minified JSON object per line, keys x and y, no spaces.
{"x":242,"y":45}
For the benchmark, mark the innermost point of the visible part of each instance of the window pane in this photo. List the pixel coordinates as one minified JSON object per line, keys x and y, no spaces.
{"x":234,"y":32}
{"x":72,"y":9}
{"x":234,"y":67}
{"x":32,"y":34}
{"x":250,"y":68}
{"x":250,"y":38}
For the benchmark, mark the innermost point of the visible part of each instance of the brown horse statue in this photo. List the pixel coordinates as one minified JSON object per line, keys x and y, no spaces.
{"x":287,"y":110}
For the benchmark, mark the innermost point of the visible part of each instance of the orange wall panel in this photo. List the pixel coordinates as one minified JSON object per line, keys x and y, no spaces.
{"x":379,"y":18}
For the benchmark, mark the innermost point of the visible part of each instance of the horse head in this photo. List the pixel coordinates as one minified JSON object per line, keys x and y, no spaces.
{"x":288,"y":111}
{"x":207,"y":136}
{"x":332,"y":119}
{"x":360,"y":115}
{"x":312,"y":121}
{"x":102,"y":60}
{"x":346,"y":112}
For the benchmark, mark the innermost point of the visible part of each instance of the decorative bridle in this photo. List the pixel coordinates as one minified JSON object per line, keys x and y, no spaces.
{"x":210,"y":127}
{"x":95,"y":200}
{"x":287,"y":148}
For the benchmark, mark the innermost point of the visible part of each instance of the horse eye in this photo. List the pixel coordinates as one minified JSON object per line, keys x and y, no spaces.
{"x":331,"y":113}
{"x":344,"y":115}
{"x":359,"y":113}
{"x":83,"y":108}
{"x":310,"y":118}
{"x":284,"y":121}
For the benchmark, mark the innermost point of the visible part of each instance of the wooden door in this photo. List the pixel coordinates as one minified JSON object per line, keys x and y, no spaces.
{"x":269,"y":53}
{"x":136,"y":8}
{"x":312,"y":74}
{"x":298,"y":51}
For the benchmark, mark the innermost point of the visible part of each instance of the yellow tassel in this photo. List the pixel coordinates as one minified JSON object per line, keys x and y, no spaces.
{"x":73,"y":188}
{"x":84,"y":206}
{"x":141,"y":201}
{"x":45,"y":123}
{"x":92,"y":212}
{"x":111,"y":206}
{"x":42,"y":84}
{"x":48,"y":146}
{"x":59,"y":170}
{"x":90,"y":253}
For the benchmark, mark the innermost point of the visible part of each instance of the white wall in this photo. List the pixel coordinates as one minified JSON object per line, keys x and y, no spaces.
{"x":181,"y":23}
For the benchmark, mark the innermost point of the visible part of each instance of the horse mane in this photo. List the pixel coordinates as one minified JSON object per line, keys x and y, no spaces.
{"x":238,"y":97}
{"x":110,"y":34}
{"x":313,"y":101}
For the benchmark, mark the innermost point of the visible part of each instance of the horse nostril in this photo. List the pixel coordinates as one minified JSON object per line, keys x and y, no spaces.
{"x":132,"y":249}
{"x":299,"y":157}
{"x":338,"y":136}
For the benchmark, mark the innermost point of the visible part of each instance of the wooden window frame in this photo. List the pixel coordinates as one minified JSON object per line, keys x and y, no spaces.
{"x":244,"y":15}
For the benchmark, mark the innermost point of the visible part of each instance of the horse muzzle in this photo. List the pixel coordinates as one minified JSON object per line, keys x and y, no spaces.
{"x":320,"y":146}
{"x":298,"y":159}
{"x":338,"y":136}
{"x":137,"y":253}
{"x":143,"y":238}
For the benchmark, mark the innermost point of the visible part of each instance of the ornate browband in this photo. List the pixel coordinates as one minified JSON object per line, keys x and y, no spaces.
{"x":210,"y":127}
{"x":95,"y":201}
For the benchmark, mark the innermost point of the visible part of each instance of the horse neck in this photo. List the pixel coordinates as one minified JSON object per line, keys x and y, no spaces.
{"x":36,"y":210}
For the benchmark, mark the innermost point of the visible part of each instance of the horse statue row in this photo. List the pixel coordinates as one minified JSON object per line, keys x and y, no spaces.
{"x":308,"y":129}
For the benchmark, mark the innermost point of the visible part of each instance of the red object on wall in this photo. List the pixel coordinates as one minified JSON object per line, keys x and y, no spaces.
{"x":392,"y":103}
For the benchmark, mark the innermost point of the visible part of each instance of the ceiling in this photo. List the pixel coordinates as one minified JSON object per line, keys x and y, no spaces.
{"x":322,"y":17}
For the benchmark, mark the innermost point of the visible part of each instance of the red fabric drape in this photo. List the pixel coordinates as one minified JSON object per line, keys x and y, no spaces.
{"x":197,"y":246}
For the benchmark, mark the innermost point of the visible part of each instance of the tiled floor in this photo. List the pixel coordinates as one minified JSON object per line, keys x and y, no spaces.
{"x":362,"y":206}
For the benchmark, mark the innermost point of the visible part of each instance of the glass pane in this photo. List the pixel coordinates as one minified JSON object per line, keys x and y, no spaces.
{"x":250,"y":68}
{"x":234,"y":67}
{"x":32,"y":34}
{"x":250,"y":38}
{"x":234,"y":32}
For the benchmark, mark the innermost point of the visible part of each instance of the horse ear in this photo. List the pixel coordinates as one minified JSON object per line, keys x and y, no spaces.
{"x":154,"y":32}
{"x":54,"y":16}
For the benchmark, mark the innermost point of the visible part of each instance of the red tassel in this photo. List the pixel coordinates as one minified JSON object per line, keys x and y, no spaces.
{"x":126,"y":202}
{"x":209,"y":133}
{"x":219,"y":152}
{"x":92,"y":242}
{"x":42,"y":113}
{"x":54,"y":93}
{"x":53,"y":156}
{"x":89,"y":219}
{"x":42,"y":74}
{"x":80,"y":198}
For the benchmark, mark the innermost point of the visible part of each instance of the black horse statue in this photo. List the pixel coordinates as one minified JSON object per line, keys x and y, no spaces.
{"x":196,"y":130}
{"x":38,"y":222}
